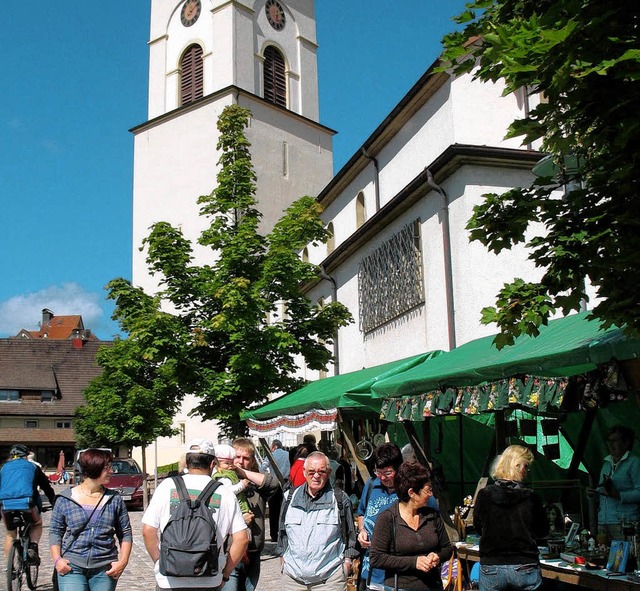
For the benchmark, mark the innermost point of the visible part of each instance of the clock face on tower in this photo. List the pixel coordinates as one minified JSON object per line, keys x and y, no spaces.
{"x":275,"y":14}
{"x":190,"y":12}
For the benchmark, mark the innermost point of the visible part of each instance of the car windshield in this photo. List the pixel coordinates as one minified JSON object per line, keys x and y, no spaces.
{"x":124,"y":468}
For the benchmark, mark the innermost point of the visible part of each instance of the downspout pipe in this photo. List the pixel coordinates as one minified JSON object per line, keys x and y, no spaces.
{"x":376,"y":180}
{"x":446,"y":253}
{"x":336,"y":348}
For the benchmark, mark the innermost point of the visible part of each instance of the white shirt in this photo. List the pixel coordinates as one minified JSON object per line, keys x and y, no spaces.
{"x":227,"y":517}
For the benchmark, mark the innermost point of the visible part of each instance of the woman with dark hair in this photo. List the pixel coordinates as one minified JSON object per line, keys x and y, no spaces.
{"x":555,"y":519}
{"x":409,"y":539}
{"x":509,"y":518}
{"x":618,"y":488}
{"x":84,"y":523}
{"x":378,"y":494}
{"x":296,"y":475}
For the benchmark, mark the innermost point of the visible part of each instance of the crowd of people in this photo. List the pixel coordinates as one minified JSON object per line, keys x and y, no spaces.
{"x":205,"y":527}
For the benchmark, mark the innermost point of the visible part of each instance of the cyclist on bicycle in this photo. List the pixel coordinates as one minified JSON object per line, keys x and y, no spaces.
{"x":19,"y":482}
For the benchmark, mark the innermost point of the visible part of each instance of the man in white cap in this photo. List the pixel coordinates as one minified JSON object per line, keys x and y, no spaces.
{"x":200,"y":460}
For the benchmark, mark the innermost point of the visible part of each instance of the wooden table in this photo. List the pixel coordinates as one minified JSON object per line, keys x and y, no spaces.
{"x":556,"y":570}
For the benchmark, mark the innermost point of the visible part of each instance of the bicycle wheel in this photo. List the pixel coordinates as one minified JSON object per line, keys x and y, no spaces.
{"x":32,"y":570}
{"x":14,"y":568}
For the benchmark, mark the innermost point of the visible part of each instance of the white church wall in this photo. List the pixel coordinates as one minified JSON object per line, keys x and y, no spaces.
{"x":167,"y":450}
{"x":419,"y":142}
{"x":477,"y":274}
{"x":175,"y":162}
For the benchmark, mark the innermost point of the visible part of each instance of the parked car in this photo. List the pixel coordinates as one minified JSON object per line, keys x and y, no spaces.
{"x":127,"y":479}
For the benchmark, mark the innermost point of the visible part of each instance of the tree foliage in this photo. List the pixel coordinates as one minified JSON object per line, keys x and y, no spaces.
{"x":584,"y":56}
{"x":213,"y":330}
{"x":131,"y":402}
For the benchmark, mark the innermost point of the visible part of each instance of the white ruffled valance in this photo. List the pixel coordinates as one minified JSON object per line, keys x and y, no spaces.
{"x":313,"y":420}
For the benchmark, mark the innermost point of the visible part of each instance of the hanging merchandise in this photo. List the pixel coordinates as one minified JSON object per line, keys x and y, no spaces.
{"x":379,"y":438}
{"x":364,"y":449}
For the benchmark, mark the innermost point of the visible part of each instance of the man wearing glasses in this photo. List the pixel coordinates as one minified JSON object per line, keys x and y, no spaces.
{"x":317,"y":537}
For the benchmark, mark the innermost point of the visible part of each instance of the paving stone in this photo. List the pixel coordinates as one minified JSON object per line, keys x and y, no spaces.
{"x":138,"y":576}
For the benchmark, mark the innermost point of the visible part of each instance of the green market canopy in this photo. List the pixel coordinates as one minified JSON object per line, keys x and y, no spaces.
{"x":568,"y":366}
{"x":315,"y":406}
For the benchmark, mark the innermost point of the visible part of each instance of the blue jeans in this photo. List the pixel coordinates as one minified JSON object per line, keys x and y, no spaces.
{"x":87,"y":579}
{"x":507,"y":577}
{"x":244,"y":577}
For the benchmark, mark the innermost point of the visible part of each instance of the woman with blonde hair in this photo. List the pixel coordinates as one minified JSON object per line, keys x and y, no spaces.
{"x":509,"y":518}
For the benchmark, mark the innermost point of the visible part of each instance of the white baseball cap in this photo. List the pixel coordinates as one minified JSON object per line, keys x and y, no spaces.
{"x":225,"y":452}
{"x":200,"y":446}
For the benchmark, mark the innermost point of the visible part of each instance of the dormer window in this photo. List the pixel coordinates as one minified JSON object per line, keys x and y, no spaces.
{"x":9,"y":396}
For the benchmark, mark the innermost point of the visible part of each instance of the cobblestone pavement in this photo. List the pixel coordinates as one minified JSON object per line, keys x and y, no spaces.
{"x":138,"y":576}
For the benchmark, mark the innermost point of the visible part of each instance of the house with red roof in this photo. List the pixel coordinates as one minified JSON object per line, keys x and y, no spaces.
{"x":43,"y":375}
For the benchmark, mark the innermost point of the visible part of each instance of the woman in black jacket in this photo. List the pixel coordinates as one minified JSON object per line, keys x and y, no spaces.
{"x":409,"y":541}
{"x":509,"y":517}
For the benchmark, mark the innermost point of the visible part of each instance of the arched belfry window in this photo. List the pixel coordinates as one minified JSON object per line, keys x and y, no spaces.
{"x":191,"y":75}
{"x":275,"y":81}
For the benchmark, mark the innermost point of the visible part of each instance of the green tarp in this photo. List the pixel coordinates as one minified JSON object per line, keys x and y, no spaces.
{"x":349,"y":390}
{"x":565,"y":347}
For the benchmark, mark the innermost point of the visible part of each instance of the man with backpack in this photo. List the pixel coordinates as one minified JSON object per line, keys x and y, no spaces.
{"x":317,"y":535}
{"x":19,"y":482}
{"x":185,"y":527}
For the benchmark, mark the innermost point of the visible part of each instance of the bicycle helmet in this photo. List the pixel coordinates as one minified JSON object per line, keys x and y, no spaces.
{"x":19,"y":451}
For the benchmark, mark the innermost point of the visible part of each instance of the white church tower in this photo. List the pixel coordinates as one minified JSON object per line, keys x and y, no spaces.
{"x":205,"y":55}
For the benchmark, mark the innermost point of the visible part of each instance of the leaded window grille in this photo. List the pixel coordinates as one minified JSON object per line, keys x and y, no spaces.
{"x":390,"y":280}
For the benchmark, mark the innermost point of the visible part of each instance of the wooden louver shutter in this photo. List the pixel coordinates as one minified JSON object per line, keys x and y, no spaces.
{"x":191,"y":78}
{"x":275,"y":82}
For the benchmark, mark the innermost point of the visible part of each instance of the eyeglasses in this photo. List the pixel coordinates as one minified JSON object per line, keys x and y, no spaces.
{"x":385,"y":473}
{"x":320,"y":473}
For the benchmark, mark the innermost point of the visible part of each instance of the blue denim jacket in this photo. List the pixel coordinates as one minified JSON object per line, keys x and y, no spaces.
{"x":94,"y":547}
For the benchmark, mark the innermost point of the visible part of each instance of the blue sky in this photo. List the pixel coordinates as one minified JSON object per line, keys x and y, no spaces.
{"x":75,"y":82}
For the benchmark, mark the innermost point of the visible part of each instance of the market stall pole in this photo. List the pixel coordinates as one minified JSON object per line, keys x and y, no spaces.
{"x":272,"y":461}
{"x":350,"y":440}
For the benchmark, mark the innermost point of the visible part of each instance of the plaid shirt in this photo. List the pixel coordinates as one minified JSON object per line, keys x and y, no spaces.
{"x":95,"y":546}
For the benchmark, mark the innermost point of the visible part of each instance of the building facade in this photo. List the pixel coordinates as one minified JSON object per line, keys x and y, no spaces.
{"x":41,"y":384}
{"x":399,"y":254}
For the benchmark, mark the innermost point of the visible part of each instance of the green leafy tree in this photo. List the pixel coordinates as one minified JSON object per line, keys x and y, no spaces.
{"x":584,"y":56}
{"x":207,"y":331}
{"x":131,"y":403}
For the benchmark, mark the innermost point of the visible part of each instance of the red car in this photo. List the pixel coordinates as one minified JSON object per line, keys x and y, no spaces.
{"x":127,"y":479}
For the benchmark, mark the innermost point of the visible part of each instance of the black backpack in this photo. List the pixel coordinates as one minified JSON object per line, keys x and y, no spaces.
{"x":188,"y":543}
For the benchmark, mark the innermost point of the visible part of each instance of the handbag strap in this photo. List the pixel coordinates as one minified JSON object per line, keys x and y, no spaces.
{"x":75,"y":535}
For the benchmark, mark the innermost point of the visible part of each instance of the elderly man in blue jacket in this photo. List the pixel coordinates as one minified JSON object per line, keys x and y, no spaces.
{"x":317,"y":536}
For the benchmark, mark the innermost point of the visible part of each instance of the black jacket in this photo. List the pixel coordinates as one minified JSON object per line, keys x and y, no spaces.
{"x":509,"y":518}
